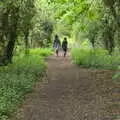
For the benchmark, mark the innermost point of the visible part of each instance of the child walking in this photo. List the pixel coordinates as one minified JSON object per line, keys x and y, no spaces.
{"x":65,"y":46}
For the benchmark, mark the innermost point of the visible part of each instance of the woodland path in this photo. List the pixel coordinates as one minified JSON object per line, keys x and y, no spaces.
{"x":69,"y":92}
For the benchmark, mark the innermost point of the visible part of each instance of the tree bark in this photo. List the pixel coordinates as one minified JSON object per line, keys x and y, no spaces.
{"x":12,"y":34}
{"x":26,"y":34}
{"x":10,"y":47}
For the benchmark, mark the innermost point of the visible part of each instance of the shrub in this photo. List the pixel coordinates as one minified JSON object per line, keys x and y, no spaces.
{"x":97,"y":58}
{"x":18,"y":78}
{"x":41,"y":51}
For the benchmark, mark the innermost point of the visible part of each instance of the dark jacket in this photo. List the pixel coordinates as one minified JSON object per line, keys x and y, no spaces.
{"x":64,"y":44}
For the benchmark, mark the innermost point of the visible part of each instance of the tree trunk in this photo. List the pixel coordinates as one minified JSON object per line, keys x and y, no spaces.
{"x":12,"y":34}
{"x":111,"y":43}
{"x":26,"y":42}
{"x":10,"y":46}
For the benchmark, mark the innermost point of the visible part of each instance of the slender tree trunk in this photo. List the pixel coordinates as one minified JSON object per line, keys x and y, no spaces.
{"x":26,"y":42}
{"x":31,"y":43}
{"x":4,"y":36}
{"x":111,"y":43}
{"x":10,"y":47}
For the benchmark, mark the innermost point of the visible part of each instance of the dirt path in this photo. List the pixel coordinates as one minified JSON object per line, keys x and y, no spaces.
{"x":72,"y":93}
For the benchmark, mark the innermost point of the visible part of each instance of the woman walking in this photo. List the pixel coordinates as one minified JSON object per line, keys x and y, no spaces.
{"x":57,"y":44}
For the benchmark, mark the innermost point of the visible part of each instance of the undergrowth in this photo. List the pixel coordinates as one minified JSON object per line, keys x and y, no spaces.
{"x":95,"y":58}
{"x":18,"y":78}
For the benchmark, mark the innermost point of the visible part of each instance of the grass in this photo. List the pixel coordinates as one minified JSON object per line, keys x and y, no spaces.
{"x":18,"y":78}
{"x":97,"y":58}
{"x":41,"y":51}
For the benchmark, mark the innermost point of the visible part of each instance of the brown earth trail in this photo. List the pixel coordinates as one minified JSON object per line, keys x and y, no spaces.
{"x":69,"y":92}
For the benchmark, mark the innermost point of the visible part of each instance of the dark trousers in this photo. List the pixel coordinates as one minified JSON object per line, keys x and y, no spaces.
{"x":65,"y":51}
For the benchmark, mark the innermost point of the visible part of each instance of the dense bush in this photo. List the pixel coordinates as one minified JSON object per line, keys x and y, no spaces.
{"x":18,"y":78}
{"x":97,"y":58}
{"x":41,"y":51}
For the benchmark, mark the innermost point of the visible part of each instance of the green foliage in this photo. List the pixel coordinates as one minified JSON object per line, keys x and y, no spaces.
{"x":18,"y":78}
{"x":42,"y":25}
{"x":96,"y":58}
{"x":96,"y":20}
{"x":26,"y":20}
{"x":41,"y":51}
{"x":117,"y":75}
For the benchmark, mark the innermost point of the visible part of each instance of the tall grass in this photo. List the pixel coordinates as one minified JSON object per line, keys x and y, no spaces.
{"x":18,"y":78}
{"x":96,"y":58}
{"x":43,"y":52}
